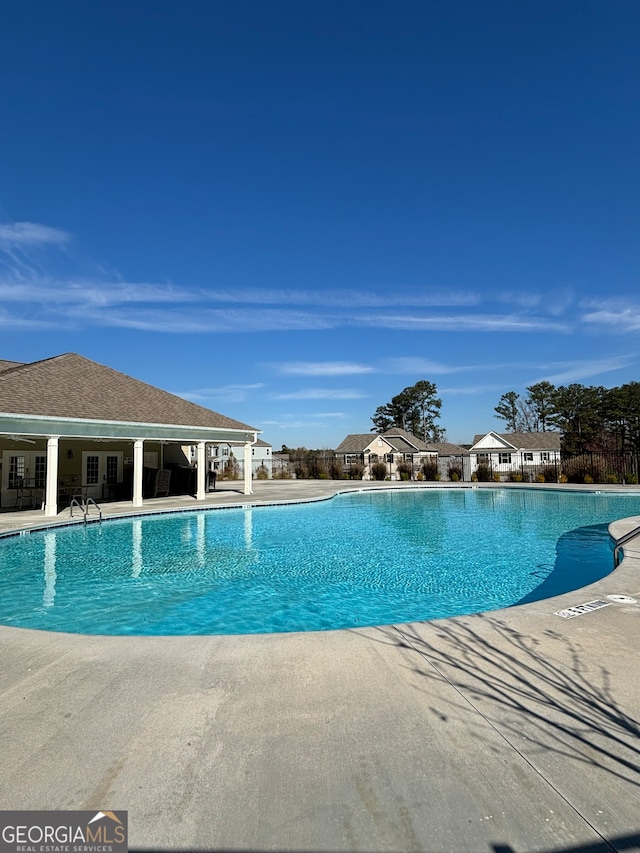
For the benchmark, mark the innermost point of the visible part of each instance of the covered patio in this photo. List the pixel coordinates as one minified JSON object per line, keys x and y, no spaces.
{"x":74,"y":429}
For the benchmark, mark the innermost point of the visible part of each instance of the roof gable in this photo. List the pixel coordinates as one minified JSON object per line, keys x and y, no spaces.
{"x":71,"y":386}
{"x":407,"y":437}
{"x":517,"y":441}
{"x":363,"y":442}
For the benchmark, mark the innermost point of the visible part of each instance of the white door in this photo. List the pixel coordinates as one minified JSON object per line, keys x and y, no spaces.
{"x":100,"y":469}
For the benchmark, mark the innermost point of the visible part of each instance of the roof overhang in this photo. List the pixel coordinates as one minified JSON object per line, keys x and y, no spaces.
{"x":39,"y":425}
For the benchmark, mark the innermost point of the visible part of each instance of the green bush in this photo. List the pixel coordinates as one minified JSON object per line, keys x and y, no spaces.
{"x":405,"y":470}
{"x":356,"y":471}
{"x":631,"y":479}
{"x":455,"y":473}
{"x":378,"y":471}
{"x":483,"y":472}
{"x":430,"y":470}
{"x":515,"y":477}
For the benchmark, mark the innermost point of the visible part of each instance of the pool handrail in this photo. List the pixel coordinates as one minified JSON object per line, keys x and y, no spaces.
{"x":618,"y":543}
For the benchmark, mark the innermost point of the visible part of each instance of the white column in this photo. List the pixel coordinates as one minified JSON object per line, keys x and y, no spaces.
{"x":138,"y":467}
{"x":201,"y":471}
{"x":248,"y":482}
{"x":51,"y":487}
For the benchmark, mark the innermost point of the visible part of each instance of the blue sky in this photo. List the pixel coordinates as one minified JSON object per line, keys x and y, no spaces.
{"x":290,"y":211}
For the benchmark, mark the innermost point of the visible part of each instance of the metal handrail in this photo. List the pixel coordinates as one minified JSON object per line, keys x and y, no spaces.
{"x":91,"y":501}
{"x":83,"y":506}
{"x":618,"y":543}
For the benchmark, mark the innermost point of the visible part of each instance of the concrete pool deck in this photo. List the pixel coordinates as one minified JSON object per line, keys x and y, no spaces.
{"x":515,"y":730}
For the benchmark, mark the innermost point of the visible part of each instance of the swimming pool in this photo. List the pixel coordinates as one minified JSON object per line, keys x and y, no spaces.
{"x":366,"y":558}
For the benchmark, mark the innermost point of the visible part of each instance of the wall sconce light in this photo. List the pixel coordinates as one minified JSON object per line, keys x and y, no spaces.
{"x":69,"y":453}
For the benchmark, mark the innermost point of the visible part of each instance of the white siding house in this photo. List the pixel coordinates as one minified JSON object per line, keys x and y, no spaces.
{"x":516,"y":453}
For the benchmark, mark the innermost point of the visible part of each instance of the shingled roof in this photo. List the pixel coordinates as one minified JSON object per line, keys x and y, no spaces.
{"x":526,"y":440}
{"x":71,"y":386}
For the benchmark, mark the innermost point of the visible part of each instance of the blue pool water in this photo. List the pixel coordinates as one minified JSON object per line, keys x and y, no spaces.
{"x":367,"y":558}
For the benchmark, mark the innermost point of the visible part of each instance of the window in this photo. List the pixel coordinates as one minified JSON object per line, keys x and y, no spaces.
{"x":527,"y":457}
{"x":504,"y":458}
{"x":483,"y":457}
{"x":91,"y":474}
{"x":545,"y":456}
{"x":16,"y":471}
{"x":112,"y":470}
{"x":350,"y":458}
{"x":389,"y":457}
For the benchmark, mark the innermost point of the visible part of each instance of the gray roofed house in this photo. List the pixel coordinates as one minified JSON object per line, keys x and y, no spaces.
{"x":396,"y":448}
{"x":523,"y":455}
{"x":70,"y":421}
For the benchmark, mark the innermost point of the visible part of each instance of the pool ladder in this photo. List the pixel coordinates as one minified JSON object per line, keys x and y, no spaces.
{"x":618,"y":543}
{"x":83,"y":506}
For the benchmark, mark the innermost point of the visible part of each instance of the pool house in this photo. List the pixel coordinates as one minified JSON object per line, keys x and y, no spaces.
{"x":73,"y":428}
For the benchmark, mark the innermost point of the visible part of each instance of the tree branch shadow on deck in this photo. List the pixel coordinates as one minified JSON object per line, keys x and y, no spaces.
{"x":559,"y":701}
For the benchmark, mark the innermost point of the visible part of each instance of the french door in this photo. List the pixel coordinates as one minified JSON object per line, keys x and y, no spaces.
{"x":100,"y":469}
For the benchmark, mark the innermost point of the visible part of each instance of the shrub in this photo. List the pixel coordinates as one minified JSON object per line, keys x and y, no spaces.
{"x":231,"y":469}
{"x":336,"y":472}
{"x":588,"y":478}
{"x":562,"y":478}
{"x":262,"y":473}
{"x":550,"y":474}
{"x":356,"y":471}
{"x":455,"y":473}
{"x":430,"y":470}
{"x":539,"y":478}
{"x":483,"y":473}
{"x":420,"y":476}
{"x":378,"y":471}
{"x":515,"y":477}
{"x":612,"y":478}
{"x":496,"y":477}
{"x":405,"y":470}
{"x":631,"y":479}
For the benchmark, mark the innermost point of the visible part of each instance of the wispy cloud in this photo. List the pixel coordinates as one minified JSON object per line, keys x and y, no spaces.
{"x":322,"y":394}
{"x":226,"y":393}
{"x":414,"y":365}
{"x":211,"y":320}
{"x":463,"y":323}
{"x":471,"y":390}
{"x":624,"y":317}
{"x":321,"y":368}
{"x":344,"y":298}
{"x":25,"y":235}
{"x":9,"y":321}
{"x":576,"y":371}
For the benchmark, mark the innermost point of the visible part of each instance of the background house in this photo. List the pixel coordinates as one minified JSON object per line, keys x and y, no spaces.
{"x":227,"y":457}
{"x":526,"y":454}
{"x":401,"y":452}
